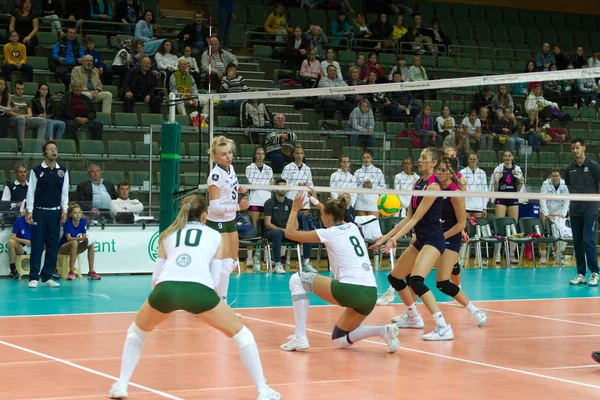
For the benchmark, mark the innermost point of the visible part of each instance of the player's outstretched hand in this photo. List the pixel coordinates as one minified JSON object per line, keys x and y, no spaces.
{"x":300,"y":201}
{"x":391,"y":244}
{"x":244,"y":204}
{"x":378,"y":242}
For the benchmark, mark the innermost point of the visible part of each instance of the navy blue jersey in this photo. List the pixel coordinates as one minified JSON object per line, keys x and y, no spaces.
{"x":448,"y":214}
{"x":431,"y":223}
{"x":508,"y":181}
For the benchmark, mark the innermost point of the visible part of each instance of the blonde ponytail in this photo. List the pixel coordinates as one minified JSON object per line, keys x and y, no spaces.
{"x":192,"y":208}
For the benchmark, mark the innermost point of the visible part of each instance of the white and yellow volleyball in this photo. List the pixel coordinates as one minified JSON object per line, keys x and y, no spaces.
{"x":388,"y":204}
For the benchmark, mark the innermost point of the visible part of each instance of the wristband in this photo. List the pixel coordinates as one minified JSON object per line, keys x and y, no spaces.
{"x":313,"y":200}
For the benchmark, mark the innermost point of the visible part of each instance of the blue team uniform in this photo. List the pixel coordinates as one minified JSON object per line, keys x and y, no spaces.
{"x":429,"y":229}
{"x":449,"y":220}
{"x":508,"y":183}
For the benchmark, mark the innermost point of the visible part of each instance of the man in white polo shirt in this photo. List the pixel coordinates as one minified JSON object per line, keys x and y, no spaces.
{"x":123,"y":204}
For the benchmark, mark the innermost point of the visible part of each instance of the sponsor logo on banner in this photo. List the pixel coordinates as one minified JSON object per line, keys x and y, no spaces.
{"x":279,"y":93}
{"x":153,"y":246}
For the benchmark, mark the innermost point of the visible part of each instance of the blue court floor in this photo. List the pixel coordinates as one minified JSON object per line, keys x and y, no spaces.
{"x":127,"y":293}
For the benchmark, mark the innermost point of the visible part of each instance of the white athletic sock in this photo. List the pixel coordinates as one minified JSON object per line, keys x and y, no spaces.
{"x":306,"y":261}
{"x":471,"y":308}
{"x":300,"y":303}
{"x":439,"y":319}
{"x":132,"y":350}
{"x":363,"y":332}
{"x":412,"y":310}
{"x":250,"y":357}
{"x":223,"y":286}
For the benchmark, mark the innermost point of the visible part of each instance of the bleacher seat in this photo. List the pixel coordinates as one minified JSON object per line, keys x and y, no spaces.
{"x":119,"y":149}
{"x":137,"y":178}
{"x":113,"y":176}
{"x":247,"y":150}
{"x":91,"y":148}
{"x":104,"y":118}
{"x":126,"y":120}
{"x":77,"y":177}
{"x":8,"y":146}
{"x":153,"y":119}
{"x":142,"y":150}
{"x":32,"y":147}
{"x":66,"y":147}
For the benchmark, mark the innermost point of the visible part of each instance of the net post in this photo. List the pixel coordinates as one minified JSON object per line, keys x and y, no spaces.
{"x":172,"y":97}
{"x":169,"y":167}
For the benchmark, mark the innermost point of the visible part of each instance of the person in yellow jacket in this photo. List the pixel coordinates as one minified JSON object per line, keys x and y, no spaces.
{"x":276,"y":20}
{"x":15,"y":58}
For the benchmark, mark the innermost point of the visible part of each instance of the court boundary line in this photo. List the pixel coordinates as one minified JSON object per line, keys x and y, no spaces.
{"x":542,"y":317}
{"x":478,"y":363}
{"x":86,"y":369}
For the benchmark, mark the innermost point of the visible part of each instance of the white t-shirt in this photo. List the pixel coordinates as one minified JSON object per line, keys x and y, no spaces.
{"x":472,"y":128}
{"x":402,"y":181}
{"x":189,"y":253}
{"x":227,"y":183}
{"x":341,"y":179}
{"x":368,"y":202}
{"x":444,"y":124}
{"x":294,"y":176}
{"x":258,"y":176}
{"x":475,"y":182}
{"x":325,"y":64}
{"x":348,"y":255}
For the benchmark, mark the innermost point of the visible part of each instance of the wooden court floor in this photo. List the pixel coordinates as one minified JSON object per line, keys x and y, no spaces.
{"x":535,"y":345}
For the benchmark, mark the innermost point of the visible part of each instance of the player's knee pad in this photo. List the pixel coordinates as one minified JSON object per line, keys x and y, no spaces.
{"x":456,"y":269}
{"x":228,"y":266}
{"x":244,"y":338}
{"x":308,"y":280}
{"x":397,"y":284}
{"x":340,"y":338}
{"x":134,"y":332}
{"x":448,"y":288}
{"x":417,"y":283}
{"x":297,"y":289}
{"x":215,"y":270}
{"x":407,"y":280}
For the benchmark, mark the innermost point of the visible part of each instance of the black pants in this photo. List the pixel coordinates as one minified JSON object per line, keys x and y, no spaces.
{"x":121,"y":71}
{"x":584,"y":243}
{"x":94,"y":127}
{"x":107,"y":75}
{"x":8,"y":69}
{"x":45,"y":232}
{"x":330,"y":106}
{"x":155,"y":102}
{"x":61,"y":74}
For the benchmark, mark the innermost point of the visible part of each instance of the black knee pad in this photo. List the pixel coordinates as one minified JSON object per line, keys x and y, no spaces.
{"x":417,"y":283}
{"x":407,"y":279}
{"x":338,"y":333}
{"x":448,"y":288}
{"x":397,"y":284}
{"x":456,"y":269}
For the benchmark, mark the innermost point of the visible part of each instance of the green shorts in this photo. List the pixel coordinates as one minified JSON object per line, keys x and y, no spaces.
{"x":360,"y":298}
{"x":222,"y":227}
{"x":192,"y":297}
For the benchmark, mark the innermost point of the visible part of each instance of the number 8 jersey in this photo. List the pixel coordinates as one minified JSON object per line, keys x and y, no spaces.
{"x":348,"y":255}
{"x":227,"y":183}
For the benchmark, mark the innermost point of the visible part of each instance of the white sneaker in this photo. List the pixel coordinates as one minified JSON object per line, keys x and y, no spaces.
{"x":33,"y":284}
{"x":118,"y":391}
{"x":387,"y":297}
{"x":404,"y":321}
{"x":579,"y":280}
{"x":279,"y":269}
{"x":514,"y":260}
{"x":249,"y":262}
{"x":51,"y":283}
{"x":543,"y":260}
{"x":593,"y":103}
{"x":295,"y":344}
{"x":391,"y":338}
{"x":480,"y":317}
{"x":307,"y":267}
{"x":498,"y":259}
{"x":547,"y":125}
{"x":268,"y":394}
{"x":593,"y":279}
{"x":440,"y":333}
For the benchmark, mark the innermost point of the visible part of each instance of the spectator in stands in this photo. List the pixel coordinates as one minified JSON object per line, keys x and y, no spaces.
{"x":333,"y":102}
{"x":506,"y":126}
{"x":233,"y":83}
{"x":530,"y":131}
{"x":195,"y":35}
{"x":296,"y":49}
{"x":398,"y":31}
{"x":43,"y":106}
{"x":317,"y":40}
{"x":277,"y":19}
{"x":25,"y":21}
{"x":137,"y":54}
{"x":5,"y":106}
{"x":569,"y":90}
{"x":104,"y":70}
{"x":255,"y":114}
{"x":166,"y":60}
{"x":219,"y":61}
{"x":552,"y":88}
{"x":16,"y":191}
{"x":438,"y":37}
{"x":552,"y":209}
{"x":123,"y":204}
{"x":361,"y":64}
{"x":139,"y":86}
{"x":75,"y":241}
{"x":425,"y":125}
{"x":279,"y":144}
{"x":22,"y":118}
{"x":459,"y":141}
{"x":522,"y":88}
{"x":475,"y":181}
{"x":127,"y":12}
{"x":472,"y":127}
{"x":482,"y":98}
{"x":403,"y":106}
{"x":343,"y":178}
{"x":89,"y":79}
{"x":277,"y":211}
{"x":77,"y":11}
{"x":405,"y":180}
{"x":67,"y":54}
{"x":18,"y":244}
{"x":400,"y":66}
{"x":488,"y":130}
{"x":361,"y":120}
{"x":297,"y":173}
{"x":417,"y":37}
{"x":100,"y":11}
{"x":578,"y":60}
{"x":416,"y":72}
{"x":77,"y":110}
{"x":373,"y":65}
{"x":588,"y":90}
{"x":342,"y":28}
{"x":368,"y":177}
{"x":530,"y":68}
{"x":122,"y":63}
{"x":144,"y":31}
{"x":544,"y":58}
{"x":52,"y":11}
{"x":594,"y":60}
{"x":560,"y":58}
{"x":96,"y":193}
{"x":501,"y":100}
{"x":15,"y":58}
{"x":353,"y":79}
{"x":445,"y":123}
{"x":226,"y":15}
{"x":362,"y":29}
{"x":398,"y":7}
{"x":310,"y":71}
{"x":183,"y":85}
{"x":192,"y":67}
{"x":330,"y":60}
{"x":381,"y":30}
{"x":536,"y":102}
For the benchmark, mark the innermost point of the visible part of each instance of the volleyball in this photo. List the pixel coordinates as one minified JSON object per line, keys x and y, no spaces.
{"x":388,"y":204}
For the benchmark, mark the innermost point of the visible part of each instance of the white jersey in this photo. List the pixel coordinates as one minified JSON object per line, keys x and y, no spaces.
{"x":189,"y":252}
{"x":258,"y":176}
{"x":475,"y":182}
{"x":227,"y":183}
{"x":554,"y":207}
{"x":403,"y":181}
{"x":368,"y":202}
{"x":348,"y":254}
{"x":294,"y":176}
{"x":341,"y":179}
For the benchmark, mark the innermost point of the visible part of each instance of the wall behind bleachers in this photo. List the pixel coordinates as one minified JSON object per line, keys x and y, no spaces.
{"x":574,"y":6}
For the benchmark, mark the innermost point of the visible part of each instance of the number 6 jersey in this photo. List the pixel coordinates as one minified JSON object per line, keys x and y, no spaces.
{"x":348,"y":255}
{"x":227,"y":183}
